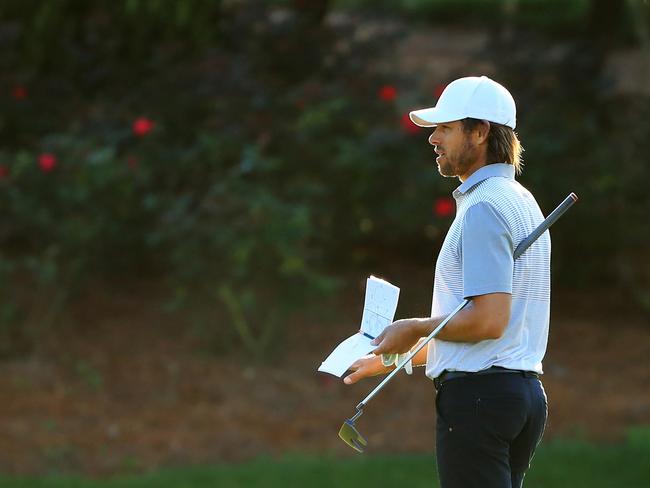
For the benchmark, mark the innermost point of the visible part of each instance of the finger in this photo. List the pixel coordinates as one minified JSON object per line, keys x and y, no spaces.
{"x":352,"y":378}
{"x":380,"y":349}
{"x":378,"y":339}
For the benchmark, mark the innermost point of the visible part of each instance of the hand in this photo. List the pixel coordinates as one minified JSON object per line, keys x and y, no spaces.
{"x":400,"y":336}
{"x":365,"y":367}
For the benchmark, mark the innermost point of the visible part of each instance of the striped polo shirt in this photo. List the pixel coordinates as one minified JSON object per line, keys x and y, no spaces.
{"x":494,"y":214}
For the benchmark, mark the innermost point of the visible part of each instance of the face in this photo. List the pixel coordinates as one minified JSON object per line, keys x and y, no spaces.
{"x":456,"y":149}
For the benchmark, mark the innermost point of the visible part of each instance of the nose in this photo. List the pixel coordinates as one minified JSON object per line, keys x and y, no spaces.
{"x":434,"y":140}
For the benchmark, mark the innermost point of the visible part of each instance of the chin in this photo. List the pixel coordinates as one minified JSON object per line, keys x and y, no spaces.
{"x":445,"y":170}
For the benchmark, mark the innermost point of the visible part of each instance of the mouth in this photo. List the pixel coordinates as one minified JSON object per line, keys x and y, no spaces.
{"x":440,"y":154}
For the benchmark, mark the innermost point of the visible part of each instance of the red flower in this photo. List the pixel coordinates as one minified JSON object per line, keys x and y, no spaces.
{"x":4,"y":171}
{"x":444,"y":207}
{"x":47,"y":162}
{"x":408,"y":125}
{"x":142,"y":126}
{"x":19,"y":92}
{"x":387,"y":93}
{"x":438,"y":90}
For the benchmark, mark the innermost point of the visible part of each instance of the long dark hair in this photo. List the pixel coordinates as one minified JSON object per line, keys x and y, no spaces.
{"x":503,"y":143}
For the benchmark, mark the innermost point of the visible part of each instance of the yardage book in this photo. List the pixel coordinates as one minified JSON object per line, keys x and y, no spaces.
{"x":378,"y":312}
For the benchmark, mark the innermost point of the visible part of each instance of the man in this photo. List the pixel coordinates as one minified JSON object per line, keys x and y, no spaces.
{"x":485,"y":363}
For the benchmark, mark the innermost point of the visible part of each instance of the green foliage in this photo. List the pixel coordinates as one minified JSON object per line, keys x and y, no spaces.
{"x":237,"y":152}
{"x":557,"y":463}
{"x":588,"y":139}
{"x":247,"y":181}
{"x":547,"y":15}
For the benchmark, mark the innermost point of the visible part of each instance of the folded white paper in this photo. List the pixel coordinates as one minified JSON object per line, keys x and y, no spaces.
{"x":378,"y":312}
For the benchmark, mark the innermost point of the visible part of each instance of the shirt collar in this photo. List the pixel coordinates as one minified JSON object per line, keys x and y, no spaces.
{"x":483,"y":173}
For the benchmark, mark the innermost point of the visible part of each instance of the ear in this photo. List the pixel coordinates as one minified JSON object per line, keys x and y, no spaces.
{"x":481,"y":132}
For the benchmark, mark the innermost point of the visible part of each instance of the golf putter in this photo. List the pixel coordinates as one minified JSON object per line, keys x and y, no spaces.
{"x":348,"y":431}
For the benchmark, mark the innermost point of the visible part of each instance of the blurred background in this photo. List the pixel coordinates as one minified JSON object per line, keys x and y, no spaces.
{"x":193,"y":193}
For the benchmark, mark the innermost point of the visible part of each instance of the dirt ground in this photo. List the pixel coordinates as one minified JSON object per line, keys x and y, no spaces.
{"x":127,"y":389}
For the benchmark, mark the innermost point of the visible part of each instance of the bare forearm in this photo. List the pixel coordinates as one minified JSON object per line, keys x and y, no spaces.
{"x":486,"y":317}
{"x":482,"y":319}
{"x":464,"y":327}
{"x":420,"y":359}
{"x":450,"y":332}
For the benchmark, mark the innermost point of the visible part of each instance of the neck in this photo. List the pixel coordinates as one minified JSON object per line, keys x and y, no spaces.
{"x":472,"y":169}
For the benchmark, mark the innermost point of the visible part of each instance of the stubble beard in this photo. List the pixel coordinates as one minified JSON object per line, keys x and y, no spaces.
{"x":459,"y":164}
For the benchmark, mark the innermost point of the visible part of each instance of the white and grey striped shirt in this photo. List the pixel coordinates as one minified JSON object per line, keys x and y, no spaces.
{"x":494,"y":214}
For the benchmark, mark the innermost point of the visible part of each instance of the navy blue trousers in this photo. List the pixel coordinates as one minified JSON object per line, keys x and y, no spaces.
{"x":488,"y":427}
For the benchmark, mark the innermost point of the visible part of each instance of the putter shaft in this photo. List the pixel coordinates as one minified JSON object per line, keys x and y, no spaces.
{"x":521,"y":248}
{"x":359,"y":412}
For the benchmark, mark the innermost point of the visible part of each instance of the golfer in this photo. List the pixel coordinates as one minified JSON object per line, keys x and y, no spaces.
{"x":485,"y":364}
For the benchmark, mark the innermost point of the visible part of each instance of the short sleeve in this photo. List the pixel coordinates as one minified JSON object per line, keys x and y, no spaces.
{"x":487,"y":251}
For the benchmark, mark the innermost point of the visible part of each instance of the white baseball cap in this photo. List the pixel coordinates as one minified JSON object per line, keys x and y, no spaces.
{"x":476,"y":97}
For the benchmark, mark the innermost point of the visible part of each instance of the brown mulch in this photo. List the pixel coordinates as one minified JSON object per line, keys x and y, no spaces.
{"x":128,"y":389}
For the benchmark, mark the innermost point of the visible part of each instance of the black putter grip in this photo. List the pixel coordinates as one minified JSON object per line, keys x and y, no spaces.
{"x":548,"y":221}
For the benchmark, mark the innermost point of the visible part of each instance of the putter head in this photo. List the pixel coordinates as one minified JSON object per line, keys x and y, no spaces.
{"x":351,"y":436}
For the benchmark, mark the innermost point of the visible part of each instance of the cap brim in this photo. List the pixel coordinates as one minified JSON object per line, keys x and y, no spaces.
{"x":430,"y":117}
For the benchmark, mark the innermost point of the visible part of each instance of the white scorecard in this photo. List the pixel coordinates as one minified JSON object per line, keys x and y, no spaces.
{"x":378,"y":312}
